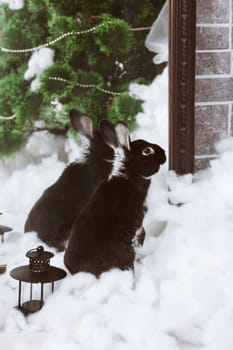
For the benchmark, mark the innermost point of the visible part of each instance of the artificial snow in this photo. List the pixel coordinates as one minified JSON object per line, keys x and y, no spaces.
{"x":40,"y":60}
{"x":157,"y":39}
{"x":13,"y":4}
{"x":152,"y":125}
{"x":181,"y":296}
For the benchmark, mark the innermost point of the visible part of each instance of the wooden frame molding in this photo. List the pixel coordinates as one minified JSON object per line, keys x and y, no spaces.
{"x":182,"y":28}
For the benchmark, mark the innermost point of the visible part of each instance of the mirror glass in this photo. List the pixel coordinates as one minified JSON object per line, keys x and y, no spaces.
{"x":107,"y":60}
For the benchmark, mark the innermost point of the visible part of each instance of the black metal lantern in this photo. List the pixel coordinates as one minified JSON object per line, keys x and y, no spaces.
{"x":4,"y":229}
{"x":38,"y":271}
{"x":39,"y":260}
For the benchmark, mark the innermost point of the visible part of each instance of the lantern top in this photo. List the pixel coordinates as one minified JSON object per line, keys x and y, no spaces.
{"x":39,"y":253}
{"x":4,"y":229}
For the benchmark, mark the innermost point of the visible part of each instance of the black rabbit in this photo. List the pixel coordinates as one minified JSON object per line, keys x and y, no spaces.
{"x":53,"y":214}
{"x":102,"y":237}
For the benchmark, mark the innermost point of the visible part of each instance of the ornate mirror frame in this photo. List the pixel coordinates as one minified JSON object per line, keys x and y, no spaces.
{"x":182,"y":30}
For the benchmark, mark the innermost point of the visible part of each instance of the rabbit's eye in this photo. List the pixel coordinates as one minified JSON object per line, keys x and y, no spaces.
{"x":148,"y":151}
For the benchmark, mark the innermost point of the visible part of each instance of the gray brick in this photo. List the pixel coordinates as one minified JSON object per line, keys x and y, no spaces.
{"x":232,"y":8}
{"x":212,"y":11}
{"x":214,"y":90}
{"x":208,"y":38}
{"x":211,"y":123}
{"x":231,"y":131}
{"x":201,"y":164}
{"x":213,"y":63}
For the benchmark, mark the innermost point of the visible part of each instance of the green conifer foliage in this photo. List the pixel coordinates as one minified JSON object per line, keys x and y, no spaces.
{"x":94,"y":68}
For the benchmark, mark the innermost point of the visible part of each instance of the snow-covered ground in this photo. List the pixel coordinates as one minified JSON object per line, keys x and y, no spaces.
{"x":182,"y":294}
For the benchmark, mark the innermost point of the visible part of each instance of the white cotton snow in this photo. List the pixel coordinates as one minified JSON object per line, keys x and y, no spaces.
{"x":39,"y":61}
{"x":152,"y":125}
{"x":13,"y":4}
{"x":26,"y":175}
{"x":181,"y":295}
{"x":157,"y":39}
{"x":152,"y":122}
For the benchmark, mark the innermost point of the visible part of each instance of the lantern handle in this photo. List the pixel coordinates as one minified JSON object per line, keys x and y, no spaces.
{"x":40,"y":248}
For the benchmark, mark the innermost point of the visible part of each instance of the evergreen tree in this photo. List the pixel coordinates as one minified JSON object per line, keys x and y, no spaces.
{"x":91,"y":71}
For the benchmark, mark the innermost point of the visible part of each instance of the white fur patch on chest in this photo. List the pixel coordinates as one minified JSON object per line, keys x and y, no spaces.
{"x":85,"y":151}
{"x":118,"y":163}
{"x":136,"y":240}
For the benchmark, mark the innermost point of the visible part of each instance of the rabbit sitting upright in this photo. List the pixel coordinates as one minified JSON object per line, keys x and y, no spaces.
{"x":53,"y":214}
{"x":102,"y":237}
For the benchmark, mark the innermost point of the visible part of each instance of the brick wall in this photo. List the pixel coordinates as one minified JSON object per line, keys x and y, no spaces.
{"x":214,"y":77}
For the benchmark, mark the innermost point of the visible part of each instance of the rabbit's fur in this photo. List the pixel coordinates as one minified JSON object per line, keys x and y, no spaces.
{"x":53,"y":214}
{"x":102,"y":237}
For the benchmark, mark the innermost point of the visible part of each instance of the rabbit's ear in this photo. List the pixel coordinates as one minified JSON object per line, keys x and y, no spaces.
{"x":122,"y":133}
{"x":81,"y":123}
{"x":109,"y":134}
{"x":122,"y":123}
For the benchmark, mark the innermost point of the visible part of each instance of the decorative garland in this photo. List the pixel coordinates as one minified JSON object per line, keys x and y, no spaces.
{"x":7,"y":118}
{"x":52,"y":42}
{"x":87,"y":86}
{"x":139,"y":29}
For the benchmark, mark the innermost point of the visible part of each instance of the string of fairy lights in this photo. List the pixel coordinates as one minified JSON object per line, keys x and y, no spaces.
{"x":53,"y":42}
{"x":87,"y":86}
{"x":8,"y":118}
